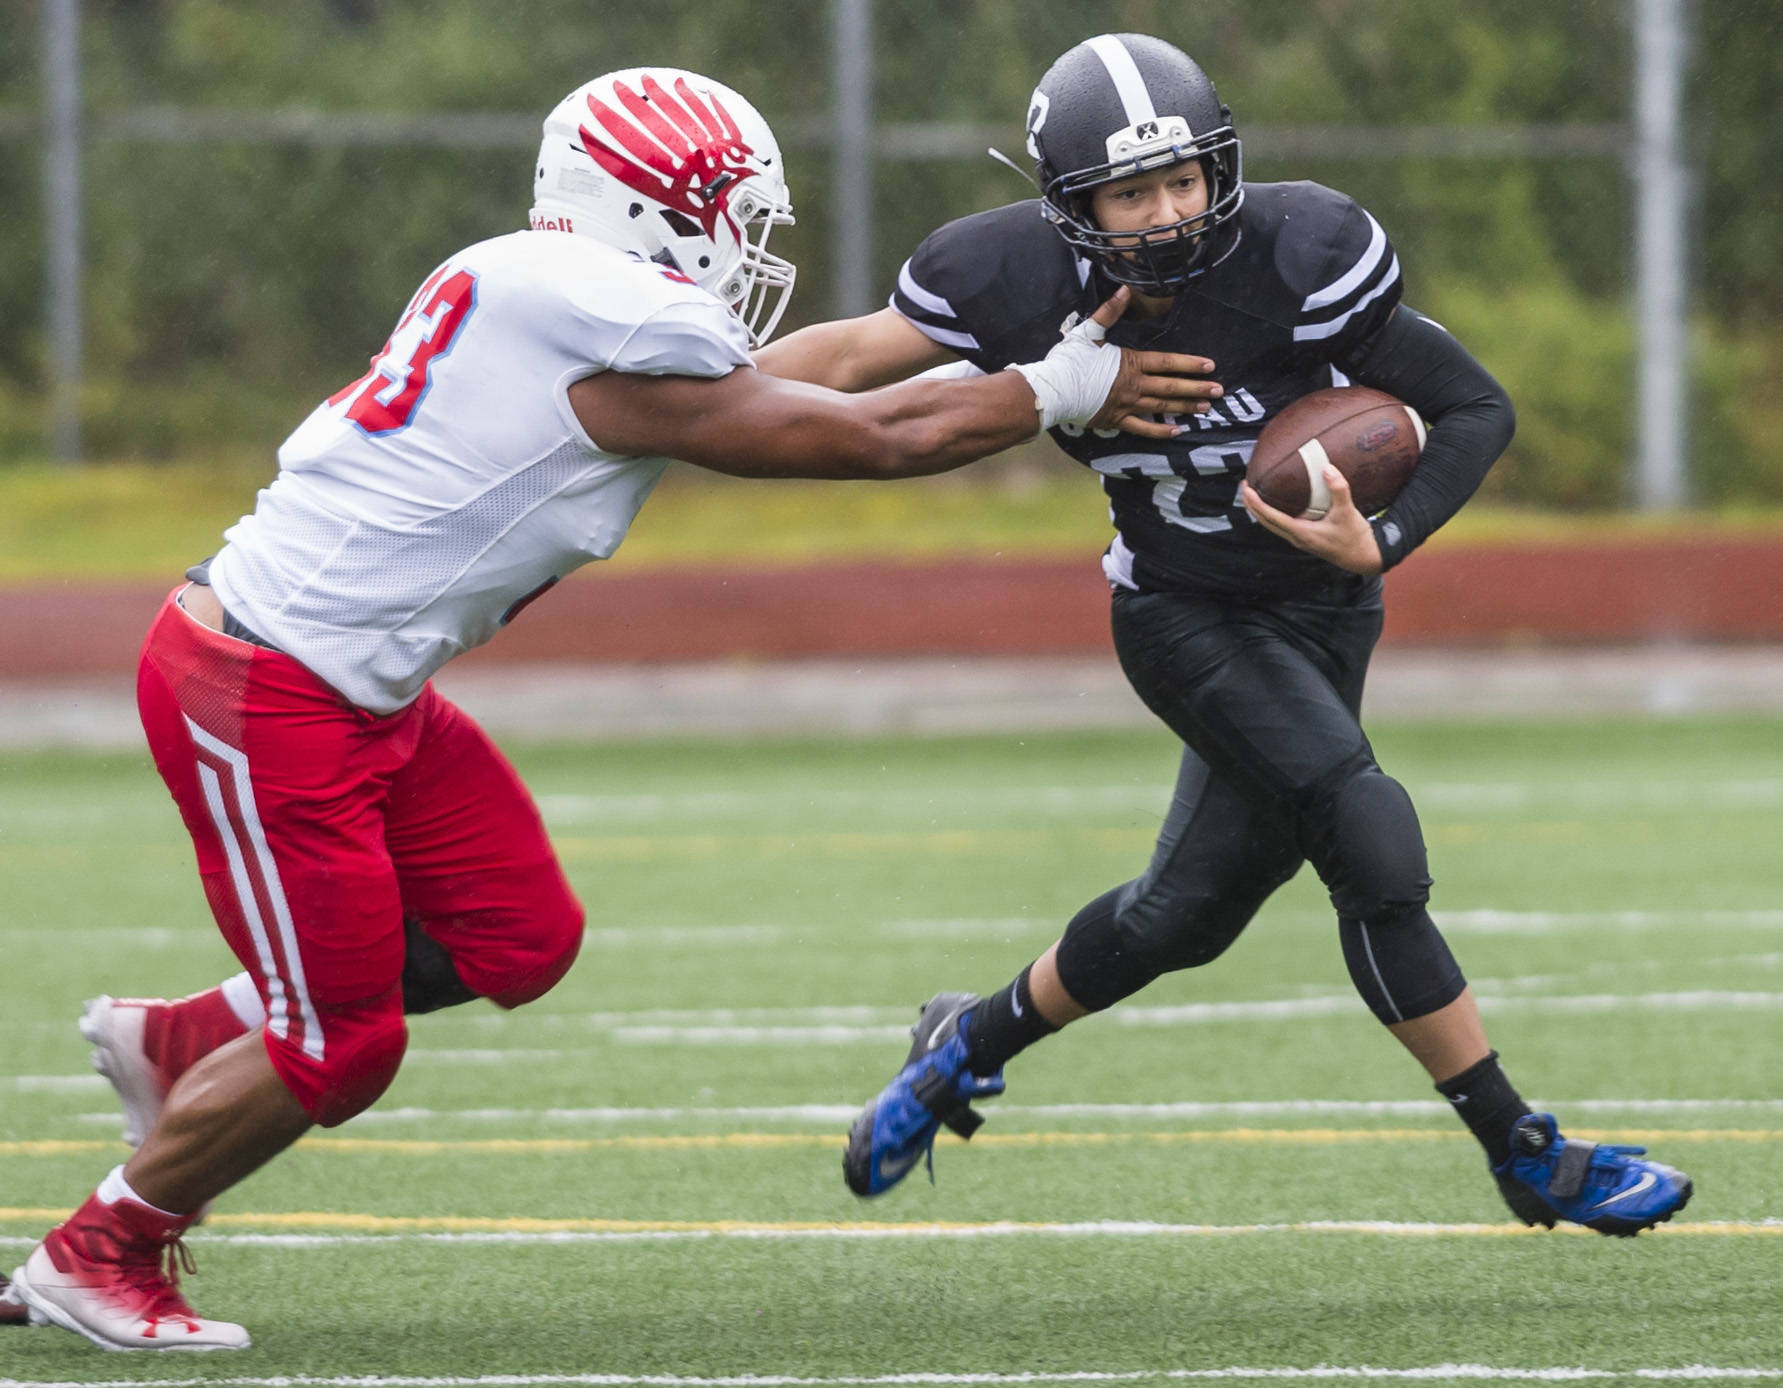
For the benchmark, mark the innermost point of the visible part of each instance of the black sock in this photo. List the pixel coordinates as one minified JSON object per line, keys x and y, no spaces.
{"x":1484,"y":1100}
{"x":1004,"y":1025}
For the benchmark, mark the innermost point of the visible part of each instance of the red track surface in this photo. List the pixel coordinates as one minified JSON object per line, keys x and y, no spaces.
{"x":1604,"y":593}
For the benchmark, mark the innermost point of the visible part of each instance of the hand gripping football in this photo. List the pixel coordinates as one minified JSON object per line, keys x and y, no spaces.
{"x":1367,"y":435}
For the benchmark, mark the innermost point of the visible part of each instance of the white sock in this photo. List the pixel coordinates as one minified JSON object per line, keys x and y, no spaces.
{"x":243,"y":997}
{"x":115,"y":1188}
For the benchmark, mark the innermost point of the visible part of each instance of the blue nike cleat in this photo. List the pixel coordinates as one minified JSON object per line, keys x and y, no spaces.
{"x":1610,"y":1189}
{"x":936,"y":1086}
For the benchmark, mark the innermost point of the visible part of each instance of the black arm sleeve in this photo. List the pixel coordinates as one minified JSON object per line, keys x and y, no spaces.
{"x":1469,"y":415}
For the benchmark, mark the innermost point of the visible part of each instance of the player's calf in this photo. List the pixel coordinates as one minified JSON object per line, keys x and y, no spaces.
{"x":143,"y":1045}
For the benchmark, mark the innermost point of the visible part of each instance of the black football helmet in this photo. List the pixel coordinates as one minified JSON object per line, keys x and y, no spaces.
{"x":1122,"y":104}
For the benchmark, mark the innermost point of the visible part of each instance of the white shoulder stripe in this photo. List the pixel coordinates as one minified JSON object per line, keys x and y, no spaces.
{"x":927,"y":302}
{"x":1359,"y":272}
{"x":943,"y":336}
{"x":1310,"y":332}
{"x":1127,"y":82}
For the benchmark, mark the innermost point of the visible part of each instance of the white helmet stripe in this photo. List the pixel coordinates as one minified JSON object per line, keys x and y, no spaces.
{"x":1127,"y":82}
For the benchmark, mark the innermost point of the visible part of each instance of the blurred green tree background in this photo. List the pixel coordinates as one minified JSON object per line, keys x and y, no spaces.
{"x":233,"y":283}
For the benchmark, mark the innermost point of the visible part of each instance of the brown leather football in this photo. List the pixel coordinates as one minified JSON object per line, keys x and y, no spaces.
{"x":1367,"y":435}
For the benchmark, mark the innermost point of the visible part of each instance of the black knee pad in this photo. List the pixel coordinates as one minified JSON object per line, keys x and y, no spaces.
{"x":1097,"y":963}
{"x":1400,"y":964}
{"x":430,"y":981}
{"x":1185,"y":924}
{"x":1142,"y":930}
{"x":1362,"y":834}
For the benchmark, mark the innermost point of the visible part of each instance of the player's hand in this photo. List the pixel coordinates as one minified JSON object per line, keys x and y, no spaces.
{"x":1342,"y":536}
{"x":1151,"y":383}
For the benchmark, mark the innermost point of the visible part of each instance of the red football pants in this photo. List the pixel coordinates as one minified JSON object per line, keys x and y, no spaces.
{"x":320,"y":827}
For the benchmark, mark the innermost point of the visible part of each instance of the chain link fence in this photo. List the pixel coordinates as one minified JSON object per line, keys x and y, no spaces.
{"x":264,"y":185}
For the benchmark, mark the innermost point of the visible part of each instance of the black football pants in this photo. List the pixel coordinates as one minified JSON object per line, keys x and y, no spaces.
{"x":1275,"y":771}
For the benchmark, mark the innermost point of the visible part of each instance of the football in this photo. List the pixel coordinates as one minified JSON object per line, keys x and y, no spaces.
{"x":1367,"y":435}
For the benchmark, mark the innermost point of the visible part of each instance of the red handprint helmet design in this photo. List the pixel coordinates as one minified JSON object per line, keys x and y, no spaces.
{"x":678,"y":169}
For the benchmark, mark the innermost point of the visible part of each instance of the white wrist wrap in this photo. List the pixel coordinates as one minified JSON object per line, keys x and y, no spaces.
{"x":1072,"y":382}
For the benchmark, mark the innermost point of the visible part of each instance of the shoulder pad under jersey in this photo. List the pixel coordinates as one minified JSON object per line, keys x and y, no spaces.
{"x":980,"y":285}
{"x":1311,"y":260}
{"x":620,"y":312}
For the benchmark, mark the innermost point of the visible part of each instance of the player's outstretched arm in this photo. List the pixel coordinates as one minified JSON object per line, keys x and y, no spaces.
{"x":877,"y":349}
{"x":853,"y":354}
{"x":751,"y":425}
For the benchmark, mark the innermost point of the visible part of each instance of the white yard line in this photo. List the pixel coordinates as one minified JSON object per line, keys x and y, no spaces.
{"x":1486,"y":1373}
{"x":648,"y":936}
{"x":1061,"y":801}
{"x":829,"y":1114}
{"x":853,"y":1015}
{"x":865,"y":1023}
{"x":1480,"y":921}
{"x":1068,"y":801}
{"x":1196,"y":1014}
{"x":1747,"y":793}
{"x":198,"y":931}
{"x":460,"y":1055}
{"x":760,"y":1036}
{"x":1285,"y":1009}
{"x":1492,"y":922}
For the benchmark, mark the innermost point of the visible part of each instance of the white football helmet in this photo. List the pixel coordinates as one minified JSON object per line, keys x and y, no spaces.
{"x":678,"y":169}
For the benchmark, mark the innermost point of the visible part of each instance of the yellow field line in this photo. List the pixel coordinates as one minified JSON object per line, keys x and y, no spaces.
{"x":549,"y":1146}
{"x":361,"y":1223}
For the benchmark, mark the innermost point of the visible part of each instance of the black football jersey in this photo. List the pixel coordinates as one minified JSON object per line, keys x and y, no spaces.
{"x":1312,"y":278}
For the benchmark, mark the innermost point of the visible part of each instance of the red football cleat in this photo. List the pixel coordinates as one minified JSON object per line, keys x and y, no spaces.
{"x":111,"y":1273}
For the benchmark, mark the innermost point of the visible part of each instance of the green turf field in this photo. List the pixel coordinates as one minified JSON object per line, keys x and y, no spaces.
{"x":638,"y":1180}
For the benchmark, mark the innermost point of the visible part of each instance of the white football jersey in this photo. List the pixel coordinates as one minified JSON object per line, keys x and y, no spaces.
{"x":418,"y":509}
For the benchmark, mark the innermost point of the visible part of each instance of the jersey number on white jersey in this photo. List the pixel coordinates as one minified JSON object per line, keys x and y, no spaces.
{"x":384,"y":399}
